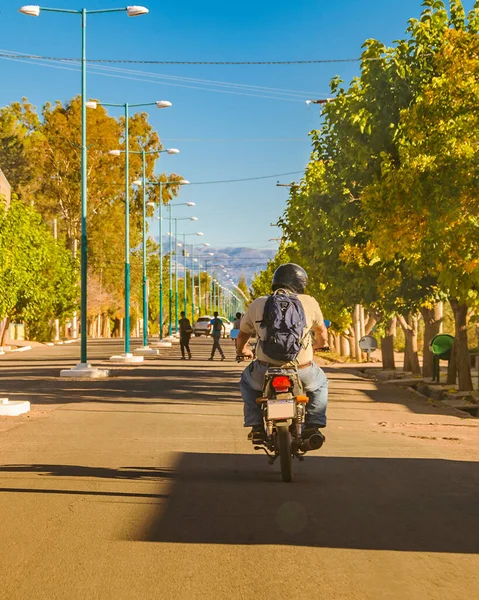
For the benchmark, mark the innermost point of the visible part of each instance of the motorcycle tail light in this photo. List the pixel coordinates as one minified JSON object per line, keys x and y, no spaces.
{"x":281,"y":383}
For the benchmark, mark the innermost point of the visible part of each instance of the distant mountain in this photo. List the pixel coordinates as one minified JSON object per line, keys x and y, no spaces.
{"x":237,"y":261}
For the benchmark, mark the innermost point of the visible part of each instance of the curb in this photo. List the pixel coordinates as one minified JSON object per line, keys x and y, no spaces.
{"x":464,"y":406}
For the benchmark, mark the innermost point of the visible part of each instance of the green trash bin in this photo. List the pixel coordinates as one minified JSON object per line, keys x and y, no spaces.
{"x":441,"y":348}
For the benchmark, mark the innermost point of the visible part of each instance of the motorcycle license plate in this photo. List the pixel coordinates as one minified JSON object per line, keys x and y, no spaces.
{"x":280,"y":409}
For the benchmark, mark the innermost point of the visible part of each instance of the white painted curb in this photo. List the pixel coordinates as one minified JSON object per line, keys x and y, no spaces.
{"x":145,"y":351}
{"x":84,"y":371}
{"x":125,"y":359}
{"x":13,"y":408}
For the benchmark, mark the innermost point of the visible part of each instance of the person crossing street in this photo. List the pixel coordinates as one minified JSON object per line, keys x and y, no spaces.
{"x":217,"y":328}
{"x":185,"y":335}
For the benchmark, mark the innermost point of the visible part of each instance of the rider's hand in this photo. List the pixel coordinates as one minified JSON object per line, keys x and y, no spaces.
{"x":246,"y":353}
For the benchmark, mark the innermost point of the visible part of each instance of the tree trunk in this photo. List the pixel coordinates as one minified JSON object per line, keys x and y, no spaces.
{"x":116,"y":328}
{"x":337,"y":343}
{"x":345,"y":346}
{"x":357,"y":331}
{"x":4,"y":333}
{"x":452,"y":367}
{"x":361,"y":321}
{"x":432,"y":326}
{"x":461,"y":346}
{"x":387,"y":345}
{"x":105,"y":326}
{"x":370,"y":323}
{"x":411,"y":356}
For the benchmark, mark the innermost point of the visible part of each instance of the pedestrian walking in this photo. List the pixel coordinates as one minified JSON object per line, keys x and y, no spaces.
{"x":217,"y":327}
{"x":237,"y":324}
{"x":185,"y":335}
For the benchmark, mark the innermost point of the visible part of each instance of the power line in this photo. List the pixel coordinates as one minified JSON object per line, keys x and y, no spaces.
{"x":192,"y":62}
{"x":236,"y":140}
{"x":146,"y":77}
{"x":246,"y":178}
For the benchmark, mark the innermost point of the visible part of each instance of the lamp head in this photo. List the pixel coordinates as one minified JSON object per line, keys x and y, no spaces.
{"x":32,"y":10}
{"x":136,"y":11}
{"x":114,"y":152}
{"x":163,"y":104}
{"x":200,"y":233}
{"x":190,"y":204}
{"x":173,"y":151}
{"x":91,"y":104}
{"x":138,"y":182}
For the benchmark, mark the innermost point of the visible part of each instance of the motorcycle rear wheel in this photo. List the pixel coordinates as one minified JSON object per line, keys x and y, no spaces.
{"x":285,"y":456}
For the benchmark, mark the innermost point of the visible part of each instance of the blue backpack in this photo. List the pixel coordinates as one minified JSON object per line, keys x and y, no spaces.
{"x":284,"y":322}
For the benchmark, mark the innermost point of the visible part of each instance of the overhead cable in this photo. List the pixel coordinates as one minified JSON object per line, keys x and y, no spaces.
{"x":192,"y":62}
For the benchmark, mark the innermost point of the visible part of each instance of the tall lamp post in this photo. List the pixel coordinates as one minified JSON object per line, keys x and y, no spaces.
{"x":192,"y":273}
{"x":127,"y":356}
{"x":193,"y":260}
{"x":170,"y":251}
{"x":160,"y":235}
{"x":83,"y":369}
{"x":177,"y":295}
{"x":145,"y":349}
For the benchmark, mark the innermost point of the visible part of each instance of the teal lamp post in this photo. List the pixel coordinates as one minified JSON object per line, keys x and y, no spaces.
{"x":177,"y":295}
{"x":193,"y":260}
{"x":160,"y":239}
{"x":83,"y":369}
{"x":145,"y":349}
{"x":127,"y":356}
{"x":170,"y":252}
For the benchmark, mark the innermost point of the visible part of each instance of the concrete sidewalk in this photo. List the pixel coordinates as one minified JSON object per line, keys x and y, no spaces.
{"x":144,"y":486}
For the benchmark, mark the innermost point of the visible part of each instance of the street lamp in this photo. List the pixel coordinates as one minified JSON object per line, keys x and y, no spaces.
{"x":192,"y":273}
{"x":127,"y":356}
{"x":177,"y":296}
{"x":83,"y":369}
{"x":145,"y":349}
{"x":193,"y":260}
{"x":160,"y":234}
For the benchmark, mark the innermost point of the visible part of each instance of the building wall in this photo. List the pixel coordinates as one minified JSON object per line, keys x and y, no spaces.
{"x":5,"y":189}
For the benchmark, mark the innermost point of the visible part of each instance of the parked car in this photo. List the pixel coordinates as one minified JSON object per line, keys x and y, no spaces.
{"x":203,"y":326}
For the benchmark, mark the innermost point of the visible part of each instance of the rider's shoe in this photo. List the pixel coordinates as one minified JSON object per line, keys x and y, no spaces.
{"x":210,"y":358}
{"x":257,"y":434}
{"x":222,"y":358}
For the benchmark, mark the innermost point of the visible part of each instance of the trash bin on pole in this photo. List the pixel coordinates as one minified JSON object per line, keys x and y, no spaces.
{"x":441,"y":348}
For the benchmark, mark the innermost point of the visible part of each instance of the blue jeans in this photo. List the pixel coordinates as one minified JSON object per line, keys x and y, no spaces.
{"x":314,"y":382}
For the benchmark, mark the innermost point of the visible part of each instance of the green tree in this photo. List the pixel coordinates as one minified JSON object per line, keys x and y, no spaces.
{"x":38,"y":276}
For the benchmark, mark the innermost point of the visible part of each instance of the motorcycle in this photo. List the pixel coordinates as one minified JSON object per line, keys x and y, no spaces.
{"x":283,"y":405}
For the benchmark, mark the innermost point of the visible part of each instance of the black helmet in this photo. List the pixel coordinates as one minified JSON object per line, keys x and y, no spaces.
{"x":291,"y":277}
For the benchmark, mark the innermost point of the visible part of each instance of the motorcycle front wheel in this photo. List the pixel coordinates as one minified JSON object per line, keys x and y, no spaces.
{"x":285,"y":456}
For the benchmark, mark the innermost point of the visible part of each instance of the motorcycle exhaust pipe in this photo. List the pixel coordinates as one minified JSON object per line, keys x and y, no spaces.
{"x":312,"y":443}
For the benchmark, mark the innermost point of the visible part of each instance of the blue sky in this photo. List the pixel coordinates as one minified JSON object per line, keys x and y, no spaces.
{"x":220,"y":135}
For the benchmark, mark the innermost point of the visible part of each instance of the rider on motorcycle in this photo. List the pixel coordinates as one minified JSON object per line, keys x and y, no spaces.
{"x":293,"y":279}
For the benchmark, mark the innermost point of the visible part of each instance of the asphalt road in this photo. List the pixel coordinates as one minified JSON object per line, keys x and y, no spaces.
{"x":145,"y":486}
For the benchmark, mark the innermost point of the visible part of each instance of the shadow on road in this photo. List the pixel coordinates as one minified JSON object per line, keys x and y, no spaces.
{"x":413,"y":505}
{"x":365,"y":503}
